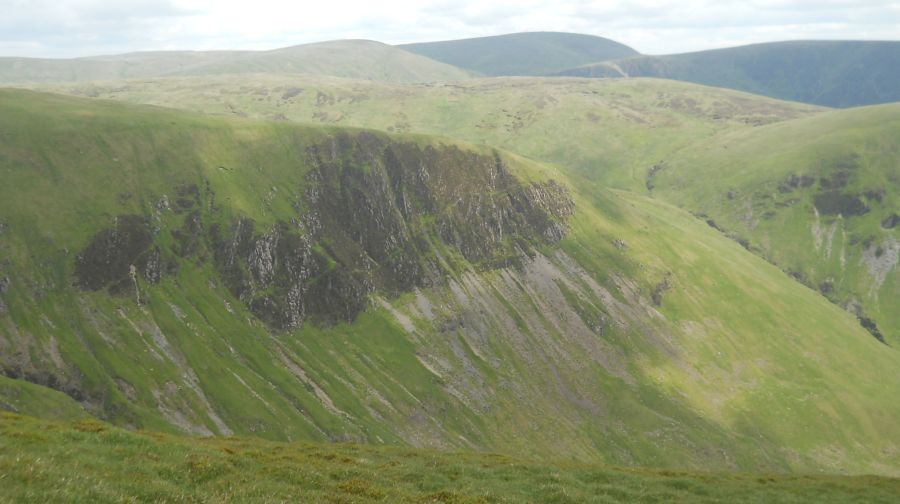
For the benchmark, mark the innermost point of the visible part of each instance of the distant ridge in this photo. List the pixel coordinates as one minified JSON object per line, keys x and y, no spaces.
{"x":830,"y":73}
{"x":356,"y":59}
{"x":529,"y":53}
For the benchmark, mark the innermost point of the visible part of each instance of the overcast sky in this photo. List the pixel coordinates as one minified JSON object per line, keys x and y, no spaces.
{"x":67,"y":28}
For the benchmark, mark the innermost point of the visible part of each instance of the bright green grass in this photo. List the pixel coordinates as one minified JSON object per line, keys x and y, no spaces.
{"x":89,"y":461}
{"x":735,"y":178}
{"x":708,"y":141}
{"x":26,"y":398}
{"x":738,"y":367}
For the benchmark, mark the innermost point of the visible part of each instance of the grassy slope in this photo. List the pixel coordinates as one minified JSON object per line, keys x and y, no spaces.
{"x":611,"y":131}
{"x":614,"y":131}
{"x":830,"y":73}
{"x":89,"y":461}
{"x":358,"y":59}
{"x":724,"y":372}
{"x":735,"y":179}
{"x":53,"y":204}
{"x":22,"y":397}
{"x":533,"y":53}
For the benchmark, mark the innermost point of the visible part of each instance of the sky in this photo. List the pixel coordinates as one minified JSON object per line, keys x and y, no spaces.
{"x":70,"y":28}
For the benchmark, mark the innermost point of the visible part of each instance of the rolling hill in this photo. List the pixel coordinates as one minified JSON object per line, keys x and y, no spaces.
{"x":610,"y":131}
{"x":818,"y":196}
{"x":358,"y":59}
{"x":829,"y":73}
{"x":621,"y":133}
{"x":186,"y":273}
{"x":530,"y":53}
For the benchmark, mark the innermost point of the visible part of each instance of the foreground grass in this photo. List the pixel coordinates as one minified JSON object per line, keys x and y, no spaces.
{"x":89,"y":461}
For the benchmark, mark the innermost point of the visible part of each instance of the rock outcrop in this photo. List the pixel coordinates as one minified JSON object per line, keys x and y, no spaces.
{"x":376,"y":215}
{"x":385,"y":216}
{"x":116,"y":255}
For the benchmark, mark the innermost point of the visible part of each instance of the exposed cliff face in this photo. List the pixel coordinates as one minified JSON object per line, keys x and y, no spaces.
{"x":393,"y":198}
{"x":283,"y":280}
{"x":375,"y":215}
{"x":115,"y":256}
{"x":381,"y":215}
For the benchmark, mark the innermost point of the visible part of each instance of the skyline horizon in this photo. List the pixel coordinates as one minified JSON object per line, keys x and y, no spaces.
{"x":80,"y":28}
{"x":400,"y":44}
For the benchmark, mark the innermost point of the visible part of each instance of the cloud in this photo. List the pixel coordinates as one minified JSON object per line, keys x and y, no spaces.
{"x":65,"y":28}
{"x":81,"y":27}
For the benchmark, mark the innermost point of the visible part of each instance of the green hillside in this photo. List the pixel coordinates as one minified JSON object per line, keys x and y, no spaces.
{"x":621,"y":133}
{"x":611,"y":131}
{"x":357,"y":59}
{"x":89,"y":461}
{"x":191,"y":274}
{"x":531,"y":53}
{"x":829,"y":73}
{"x":26,"y":398}
{"x":823,"y":205}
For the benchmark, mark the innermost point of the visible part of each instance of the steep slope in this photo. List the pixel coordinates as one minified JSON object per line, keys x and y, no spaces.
{"x":622,"y":133}
{"x":830,"y":73}
{"x":89,"y":461}
{"x":610,"y":131}
{"x":531,"y":53}
{"x":820,"y":197}
{"x":192,"y":274}
{"x":358,"y":59}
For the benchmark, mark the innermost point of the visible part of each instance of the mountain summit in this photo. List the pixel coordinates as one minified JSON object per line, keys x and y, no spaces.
{"x":529,"y":53}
